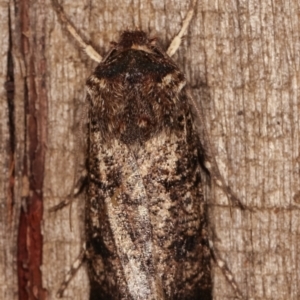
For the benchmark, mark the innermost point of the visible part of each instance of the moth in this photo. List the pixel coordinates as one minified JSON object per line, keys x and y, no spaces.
{"x":146,"y":217}
{"x":145,"y":212}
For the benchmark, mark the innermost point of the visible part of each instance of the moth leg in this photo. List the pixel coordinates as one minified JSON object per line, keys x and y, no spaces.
{"x":78,"y":188}
{"x":225,"y":270}
{"x":60,"y":205}
{"x":185,"y":24}
{"x":71,"y":273}
{"x":220,"y":182}
{"x":88,"y":49}
{"x":210,"y":163}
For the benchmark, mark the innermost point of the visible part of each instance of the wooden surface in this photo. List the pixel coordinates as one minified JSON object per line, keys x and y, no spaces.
{"x":241,"y":60}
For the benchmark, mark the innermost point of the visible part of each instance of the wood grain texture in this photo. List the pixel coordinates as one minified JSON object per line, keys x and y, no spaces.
{"x":242,"y":61}
{"x":8,"y":229}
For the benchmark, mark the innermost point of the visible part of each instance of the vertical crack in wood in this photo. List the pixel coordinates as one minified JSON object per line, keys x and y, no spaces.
{"x":30,"y":238}
{"x":10,"y":91}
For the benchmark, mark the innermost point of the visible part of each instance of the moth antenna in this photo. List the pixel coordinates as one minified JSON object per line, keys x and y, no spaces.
{"x":88,"y":49}
{"x":185,"y":24}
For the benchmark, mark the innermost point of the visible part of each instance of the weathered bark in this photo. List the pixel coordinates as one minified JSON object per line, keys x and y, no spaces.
{"x":242,"y":62}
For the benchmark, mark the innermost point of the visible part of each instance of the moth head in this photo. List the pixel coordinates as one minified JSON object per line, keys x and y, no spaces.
{"x":136,"y":39}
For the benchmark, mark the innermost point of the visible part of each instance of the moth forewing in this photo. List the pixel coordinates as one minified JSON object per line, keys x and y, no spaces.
{"x":145,"y":208}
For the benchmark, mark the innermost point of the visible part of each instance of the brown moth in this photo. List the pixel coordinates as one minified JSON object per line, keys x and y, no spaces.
{"x":146,"y":218}
{"x":145,"y":211}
